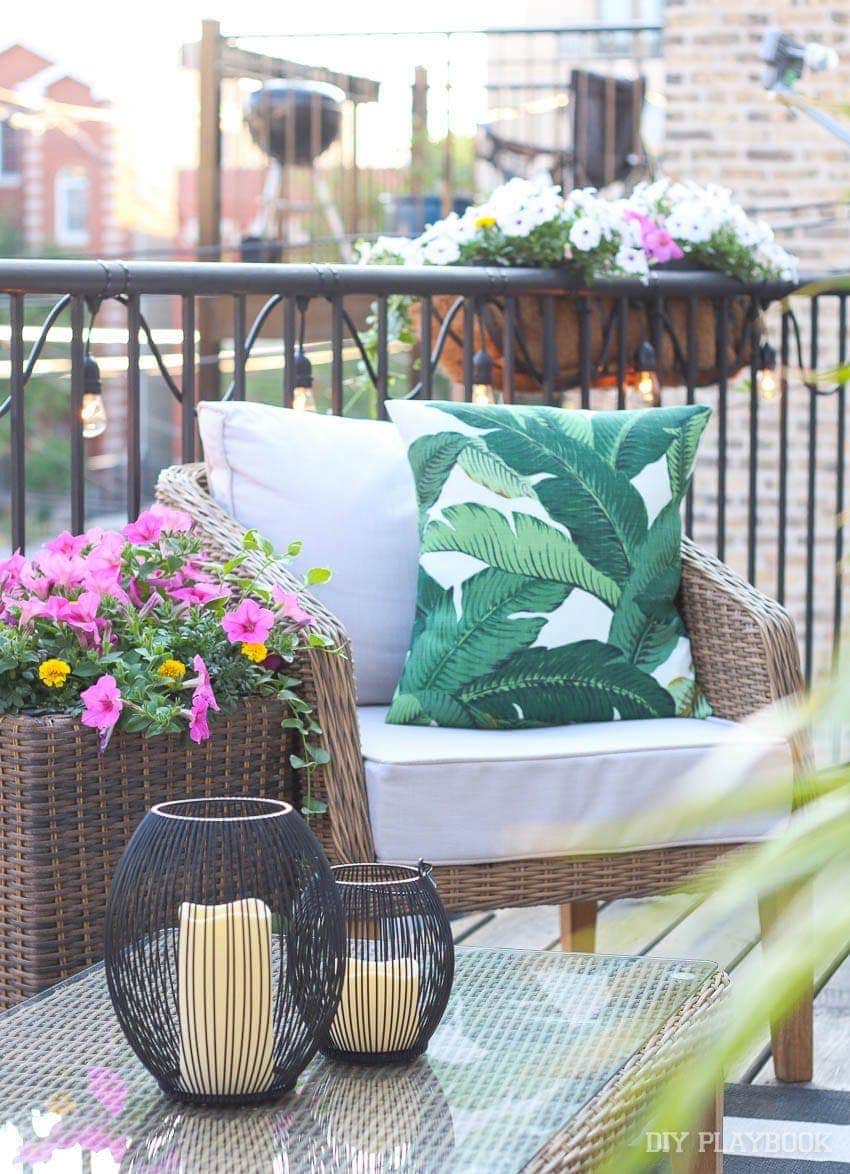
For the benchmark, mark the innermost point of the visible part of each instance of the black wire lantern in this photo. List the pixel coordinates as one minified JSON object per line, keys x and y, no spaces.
{"x":224,"y":947}
{"x":400,"y":964}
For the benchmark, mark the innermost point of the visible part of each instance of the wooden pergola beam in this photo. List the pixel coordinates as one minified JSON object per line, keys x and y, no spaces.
{"x":236,"y":63}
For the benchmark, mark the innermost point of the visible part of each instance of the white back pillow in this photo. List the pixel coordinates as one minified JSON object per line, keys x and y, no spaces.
{"x":342,"y":486}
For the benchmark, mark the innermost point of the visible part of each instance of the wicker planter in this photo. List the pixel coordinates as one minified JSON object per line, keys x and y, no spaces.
{"x":604,"y":333}
{"x":66,"y":814}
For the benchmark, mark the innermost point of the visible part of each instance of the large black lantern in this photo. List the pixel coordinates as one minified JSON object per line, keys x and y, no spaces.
{"x":225,"y":946}
{"x":295,"y":121}
{"x":399,"y":966}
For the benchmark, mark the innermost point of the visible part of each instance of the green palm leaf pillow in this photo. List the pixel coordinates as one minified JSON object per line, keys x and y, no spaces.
{"x":549,"y":565}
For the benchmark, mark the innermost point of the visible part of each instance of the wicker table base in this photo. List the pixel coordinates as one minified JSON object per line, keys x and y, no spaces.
{"x":543,"y":1062}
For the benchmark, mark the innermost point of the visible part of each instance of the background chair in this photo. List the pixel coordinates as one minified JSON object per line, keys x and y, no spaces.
{"x":746,"y":657}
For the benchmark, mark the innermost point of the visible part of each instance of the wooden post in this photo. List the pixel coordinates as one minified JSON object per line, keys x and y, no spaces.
{"x":418,"y":130}
{"x":209,"y":201}
{"x":578,"y":926}
{"x":791,"y":1037}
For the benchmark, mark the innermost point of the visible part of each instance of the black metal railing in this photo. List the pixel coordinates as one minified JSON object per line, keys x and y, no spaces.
{"x":770,"y":484}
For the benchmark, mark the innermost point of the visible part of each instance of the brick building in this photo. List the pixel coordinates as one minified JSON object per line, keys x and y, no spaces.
{"x":57,"y":160}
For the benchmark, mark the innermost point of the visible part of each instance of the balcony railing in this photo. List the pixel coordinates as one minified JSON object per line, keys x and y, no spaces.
{"x":770,"y":483}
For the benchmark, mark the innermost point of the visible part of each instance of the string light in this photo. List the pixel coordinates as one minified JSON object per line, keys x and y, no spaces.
{"x":647,"y":382}
{"x":482,"y":378}
{"x":303,"y":399}
{"x":767,"y":384}
{"x":92,"y":410}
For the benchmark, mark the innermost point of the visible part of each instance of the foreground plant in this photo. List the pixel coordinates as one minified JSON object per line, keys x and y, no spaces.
{"x":137,"y":630}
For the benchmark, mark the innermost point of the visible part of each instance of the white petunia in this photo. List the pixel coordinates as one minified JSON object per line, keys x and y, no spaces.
{"x":585,"y":234}
{"x":632,"y":260}
{"x":691,"y":222}
{"x":515,"y":221}
{"x":441,"y":250}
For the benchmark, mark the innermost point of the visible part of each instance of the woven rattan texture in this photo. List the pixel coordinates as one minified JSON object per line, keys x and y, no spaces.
{"x":543,"y":1061}
{"x":746,"y":655}
{"x":67,"y":813}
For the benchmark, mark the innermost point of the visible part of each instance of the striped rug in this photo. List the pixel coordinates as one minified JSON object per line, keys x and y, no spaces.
{"x":770,"y":1129}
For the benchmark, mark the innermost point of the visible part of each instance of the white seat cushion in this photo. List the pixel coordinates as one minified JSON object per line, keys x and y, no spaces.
{"x":344,"y":487}
{"x":456,"y":796}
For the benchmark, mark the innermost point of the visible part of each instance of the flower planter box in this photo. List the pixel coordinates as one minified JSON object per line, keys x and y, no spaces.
{"x":67,"y":812}
{"x":604,"y":334}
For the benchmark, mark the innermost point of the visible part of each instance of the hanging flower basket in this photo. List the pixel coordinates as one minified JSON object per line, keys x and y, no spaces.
{"x":527,"y":223}
{"x":604,"y":328}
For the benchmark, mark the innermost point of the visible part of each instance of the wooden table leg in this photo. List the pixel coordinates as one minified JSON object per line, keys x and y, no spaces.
{"x":700,"y":1151}
{"x":578,"y":926}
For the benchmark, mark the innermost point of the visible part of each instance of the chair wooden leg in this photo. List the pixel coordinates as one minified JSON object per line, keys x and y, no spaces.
{"x":700,"y":1150}
{"x":791,"y":1037}
{"x":578,"y":927}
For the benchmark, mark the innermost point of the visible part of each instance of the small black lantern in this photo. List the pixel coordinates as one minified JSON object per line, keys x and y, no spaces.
{"x":400,"y":964}
{"x":224,"y":947}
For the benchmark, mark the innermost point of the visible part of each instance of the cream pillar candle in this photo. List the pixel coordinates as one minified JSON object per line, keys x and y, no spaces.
{"x":224,"y":984}
{"x":378,"y":1011}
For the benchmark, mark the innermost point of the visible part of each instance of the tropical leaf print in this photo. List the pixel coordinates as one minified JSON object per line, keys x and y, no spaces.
{"x":550,"y":567}
{"x":587,"y":681}
{"x":524,"y":545}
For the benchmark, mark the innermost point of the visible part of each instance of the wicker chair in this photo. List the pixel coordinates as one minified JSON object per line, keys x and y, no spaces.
{"x":746,"y":656}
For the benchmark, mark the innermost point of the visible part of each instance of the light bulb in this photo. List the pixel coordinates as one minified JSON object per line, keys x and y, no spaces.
{"x":482,"y":378}
{"x":303,"y":400}
{"x":648,"y":386}
{"x":767,"y":384}
{"x":92,"y":410}
{"x":93,"y":415}
{"x":302,"y":394}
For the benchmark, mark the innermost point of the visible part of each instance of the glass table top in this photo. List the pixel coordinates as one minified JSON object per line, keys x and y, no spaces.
{"x":528,"y":1038}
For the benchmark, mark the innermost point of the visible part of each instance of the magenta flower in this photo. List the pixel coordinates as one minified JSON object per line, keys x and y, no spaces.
{"x":203,"y":696}
{"x":10,"y":569}
{"x":106,"y":555}
{"x":81,"y":613}
{"x":103,"y":704}
{"x":145,"y":530}
{"x":291,"y":607}
{"x":61,"y":570}
{"x":248,"y":624}
{"x":273,"y":662}
{"x":68,"y":544}
{"x":199,"y":593}
{"x":656,"y":241}
{"x":173,"y":521}
{"x":109,"y":1088}
{"x":199,"y":729}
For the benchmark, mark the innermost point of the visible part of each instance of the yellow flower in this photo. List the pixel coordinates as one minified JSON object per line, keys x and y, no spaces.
{"x":54,"y":673}
{"x":485,"y":222}
{"x":175,"y":670}
{"x":255,"y":652}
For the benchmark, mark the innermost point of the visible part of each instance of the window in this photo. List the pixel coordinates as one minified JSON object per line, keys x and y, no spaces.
{"x":10,"y":163}
{"x":71,"y":216}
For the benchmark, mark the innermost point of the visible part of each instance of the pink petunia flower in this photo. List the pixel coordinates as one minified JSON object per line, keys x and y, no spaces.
{"x":109,"y":1088}
{"x":199,"y":729}
{"x":10,"y":569}
{"x":68,"y":544}
{"x":173,"y":521}
{"x":203,"y":684}
{"x":103,"y":704}
{"x":291,"y":607}
{"x":146,"y":529}
{"x":61,"y":570}
{"x":656,"y":241}
{"x":200,"y":593}
{"x":106,"y":554}
{"x":249,"y":623}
